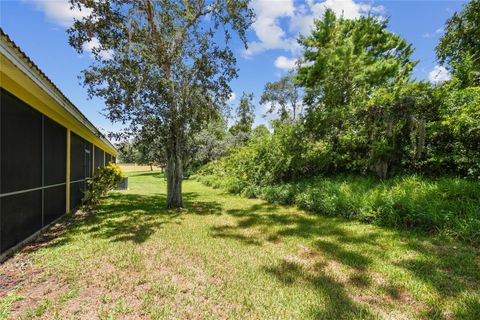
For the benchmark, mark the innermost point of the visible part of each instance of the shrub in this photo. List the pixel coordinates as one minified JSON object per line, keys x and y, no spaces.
{"x":104,"y":180}
{"x":456,"y":136}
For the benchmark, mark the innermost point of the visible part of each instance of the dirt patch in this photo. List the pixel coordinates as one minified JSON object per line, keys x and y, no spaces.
{"x":14,"y":273}
{"x":148,"y":282}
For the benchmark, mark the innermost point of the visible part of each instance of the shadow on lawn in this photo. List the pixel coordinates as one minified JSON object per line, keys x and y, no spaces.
{"x":335,"y":300}
{"x":449,"y":270}
{"x":127,"y":217}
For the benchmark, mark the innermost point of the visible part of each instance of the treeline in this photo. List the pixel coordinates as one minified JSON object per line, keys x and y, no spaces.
{"x":364,"y":114}
{"x":213,"y":141}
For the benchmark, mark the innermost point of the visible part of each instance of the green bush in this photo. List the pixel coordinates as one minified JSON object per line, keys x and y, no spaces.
{"x":104,"y":180}
{"x":456,"y":135}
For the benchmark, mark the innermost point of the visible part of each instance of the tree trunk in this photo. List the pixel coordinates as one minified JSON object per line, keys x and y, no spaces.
{"x":151,"y":168}
{"x":174,"y":152}
{"x":174,"y":177}
{"x":174,"y":183}
{"x":381,"y":169}
{"x":421,"y":130}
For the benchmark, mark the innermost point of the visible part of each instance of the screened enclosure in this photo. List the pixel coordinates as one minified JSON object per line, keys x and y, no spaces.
{"x":48,"y":149}
{"x":33,"y":173}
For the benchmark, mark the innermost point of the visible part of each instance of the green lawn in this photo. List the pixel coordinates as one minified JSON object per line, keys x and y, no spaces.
{"x":229,"y":257}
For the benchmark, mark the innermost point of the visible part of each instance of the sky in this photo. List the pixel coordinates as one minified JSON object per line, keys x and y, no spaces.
{"x":39,"y":28}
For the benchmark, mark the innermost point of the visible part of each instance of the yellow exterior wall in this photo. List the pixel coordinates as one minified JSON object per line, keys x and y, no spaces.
{"x":18,"y":83}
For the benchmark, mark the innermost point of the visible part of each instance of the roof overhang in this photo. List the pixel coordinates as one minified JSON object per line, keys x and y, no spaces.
{"x":19,"y":75}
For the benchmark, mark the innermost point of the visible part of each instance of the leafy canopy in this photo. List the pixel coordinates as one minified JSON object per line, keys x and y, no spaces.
{"x":282,"y":95}
{"x":164,"y":63}
{"x":245,"y":117}
{"x":459,"y":47}
{"x":344,"y":60}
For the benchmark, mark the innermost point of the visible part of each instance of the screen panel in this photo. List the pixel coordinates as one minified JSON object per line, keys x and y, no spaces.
{"x":77,"y":157}
{"x":21,"y":145}
{"x":108,"y":158}
{"x":99,"y":157}
{"x":55,"y":152}
{"x":88,"y":159}
{"x":21,"y":217}
{"x":76,"y":194}
{"x":54,"y":203}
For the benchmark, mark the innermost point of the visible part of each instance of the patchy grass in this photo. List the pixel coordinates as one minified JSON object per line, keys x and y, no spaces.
{"x":229,"y":257}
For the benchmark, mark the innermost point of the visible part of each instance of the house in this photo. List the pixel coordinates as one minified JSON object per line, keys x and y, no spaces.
{"x":48,"y":149}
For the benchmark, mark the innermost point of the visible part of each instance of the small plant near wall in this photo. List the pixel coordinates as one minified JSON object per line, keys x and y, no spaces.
{"x":104,"y":180}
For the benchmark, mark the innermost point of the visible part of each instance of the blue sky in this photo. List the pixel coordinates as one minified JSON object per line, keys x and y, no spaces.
{"x":38,"y":27}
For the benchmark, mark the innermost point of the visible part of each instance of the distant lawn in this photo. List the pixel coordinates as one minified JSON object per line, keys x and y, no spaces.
{"x":229,"y":257}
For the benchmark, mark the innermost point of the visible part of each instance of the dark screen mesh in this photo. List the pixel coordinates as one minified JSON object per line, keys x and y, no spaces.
{"x":108,"y":158}
{"x":21,"y":217}
{"x":88,"y":159}
{"x":21,"y":145}
{"x":55,"y":152}
{"x":21,"y":156}
{"x":114,"y":160}
{"x":54,"y":203}
{"x":99,"y":154}
{"x":77,"y":158}
{"x":76,"y":194}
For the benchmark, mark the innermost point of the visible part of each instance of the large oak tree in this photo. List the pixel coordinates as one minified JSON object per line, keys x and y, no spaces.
{"x":166,"y":63}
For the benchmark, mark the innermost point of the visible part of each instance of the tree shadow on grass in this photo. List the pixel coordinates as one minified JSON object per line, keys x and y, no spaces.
{"x":336,"y":302}
{"x":449,"y":268}
{"x":228,"y":232}
{"x":125,"y":217}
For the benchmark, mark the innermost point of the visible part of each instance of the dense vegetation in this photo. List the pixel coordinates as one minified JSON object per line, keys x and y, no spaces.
{"x":229,"y":257}
{"x":383,"y":147}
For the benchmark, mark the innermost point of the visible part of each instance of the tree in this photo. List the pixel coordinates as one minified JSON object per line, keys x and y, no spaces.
{"x":149,"y":149}
{"x":394,"y":124}
{"x":282,"y":95}
{"x":209,"y":144}
{"x":128,"y":153}
{"x":344,"y":61}
{"x":456,"y":133}
{"x":164,"y":62}
{"x":459,"y":47}
{"x":245,"y":118}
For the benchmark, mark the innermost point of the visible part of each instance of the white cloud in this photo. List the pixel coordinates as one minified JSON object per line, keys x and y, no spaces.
{"x":432,"y":34}
{"x":94,"y":44}
{"x":285,"y":63}
{"x":59,"y":11}
{"x":233,"y":96}
{"x":439,"y":74}
{"x":279,"y":22}
{"x":267,"y":26}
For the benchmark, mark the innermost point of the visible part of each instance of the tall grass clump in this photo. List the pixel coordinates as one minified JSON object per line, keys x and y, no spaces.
{"x":446,"y":205}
